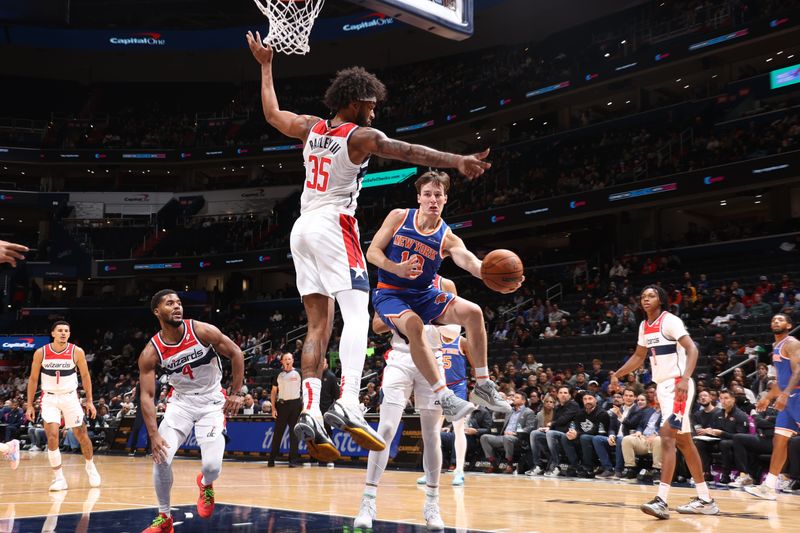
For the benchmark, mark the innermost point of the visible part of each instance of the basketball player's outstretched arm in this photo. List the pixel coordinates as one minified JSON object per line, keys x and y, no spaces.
{"x":365,"y":141}
{"x":286,"y":122}
{"x":792,"y":349}
{"x":33,"y":381}
{"x":148,"y":360}
{"x":408,"y":269}
{"x":210,"y":334}
{"x":634,"y":362}
{"x":86,"y":381}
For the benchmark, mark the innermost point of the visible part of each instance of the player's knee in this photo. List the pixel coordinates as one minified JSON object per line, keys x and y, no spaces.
{"x":471,"y":313}
{"x":414,"y":328}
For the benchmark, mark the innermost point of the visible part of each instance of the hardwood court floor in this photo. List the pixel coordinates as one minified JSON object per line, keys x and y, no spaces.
{"x":486,"y":502}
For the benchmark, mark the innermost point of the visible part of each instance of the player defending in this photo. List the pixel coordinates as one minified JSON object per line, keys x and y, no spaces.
{"x":673,"y":356}
{"x":58,"y":364}
{"x":400,"y":379}
{"x":325,"y":245}
{"x":408,"y":250}
{"x":187,"y":351}
{"x":786,"y":358}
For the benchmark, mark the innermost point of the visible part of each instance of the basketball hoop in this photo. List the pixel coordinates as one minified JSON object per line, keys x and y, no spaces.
{"x":290,"y":23}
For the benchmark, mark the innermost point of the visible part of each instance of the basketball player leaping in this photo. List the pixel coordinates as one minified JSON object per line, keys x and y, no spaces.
{"x":58,"y":364}
{"x":187,"y":351}
{"x":326,"y":251}
{"x":408,"y":250}
{"x":786,"y":358}
{"x":673,"y":356}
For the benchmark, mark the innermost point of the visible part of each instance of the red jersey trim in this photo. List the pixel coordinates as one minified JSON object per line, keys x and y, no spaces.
{"x":342,"y":130}
{"x":66,"y":353}
{"x":655,"y":327}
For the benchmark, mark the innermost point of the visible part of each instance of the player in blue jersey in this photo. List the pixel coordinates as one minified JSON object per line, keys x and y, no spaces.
{"x":786,"y":358}
{"x":408,"y":250}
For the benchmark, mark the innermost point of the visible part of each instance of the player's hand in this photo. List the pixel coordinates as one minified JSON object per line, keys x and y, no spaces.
{"x":91,"y":411}
{"x":159,"y":448}
{"x":11,"y":252}
{"x":232,"y":405}
{"x":30,"y":412}
{"x":411,"y":268}
{"x":263,"y":54}
{"x":682,"y":390}
{"x":274,"y":412}
{"x":515,"y":287}
{"x":474,"y":165}
{"x":762,"y":404}
{"x":780,"y":402}
{"x":613,"y":382}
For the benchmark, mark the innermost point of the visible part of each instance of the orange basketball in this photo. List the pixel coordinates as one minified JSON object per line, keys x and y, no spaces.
{"x":501,"y":270}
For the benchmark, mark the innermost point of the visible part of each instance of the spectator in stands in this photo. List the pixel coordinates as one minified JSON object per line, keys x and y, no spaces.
{"x":627,"y":322}
{"x":592,"y":422}
{"x":554,"y":435}
{"x":12,"y":419}
{"x":530,"y":365}
{"x":597,"y":373}
{"x":478,"y":423}
{"x":761,"y":381}
{"x":520,"y":421}
{"x":743,"y":397}
{"x":603,"y":326}
{"x":556,"y":314}
{"x":636,"y":421}
{"x":573,"y":380}
{"x":746,"y":447}
{"x":248,"y":406}
{"x":760,"y":309}
{"x":645,"y":440}
{"x":266,"y":407}
{"x":551,"y":331}
{"x":624,"y":419}
{"x":726,"y":422}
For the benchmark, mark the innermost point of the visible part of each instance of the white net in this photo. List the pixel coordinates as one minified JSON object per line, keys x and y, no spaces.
{"x":290,"y":23}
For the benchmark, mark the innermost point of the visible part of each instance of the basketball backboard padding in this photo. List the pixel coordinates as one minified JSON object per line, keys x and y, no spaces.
{"x":451,"y":19}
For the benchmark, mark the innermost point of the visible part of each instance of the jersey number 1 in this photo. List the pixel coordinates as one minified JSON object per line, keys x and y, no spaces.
{"x":187,"y":371}
{"x":319,"y":170}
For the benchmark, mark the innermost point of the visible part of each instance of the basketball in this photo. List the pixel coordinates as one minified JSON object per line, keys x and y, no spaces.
{"x":501,"y":270}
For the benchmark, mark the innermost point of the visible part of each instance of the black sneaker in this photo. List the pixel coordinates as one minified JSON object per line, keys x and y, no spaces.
{"x":629,"y":474}
{"x":656,"y":507}
{"x":606,"y":474}
{"x":351,"y":419}
{"x":319,"y":444}
{"x":724,"y":479}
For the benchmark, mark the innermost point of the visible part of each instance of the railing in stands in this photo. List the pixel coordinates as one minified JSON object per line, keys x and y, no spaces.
{"x":555,"y":292}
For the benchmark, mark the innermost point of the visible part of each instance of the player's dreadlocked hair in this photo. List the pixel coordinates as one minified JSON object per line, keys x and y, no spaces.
{"x":351,"y":85}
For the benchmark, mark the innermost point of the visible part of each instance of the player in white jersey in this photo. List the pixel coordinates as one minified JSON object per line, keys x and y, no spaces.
{"x":673,"y":356}
{"x":187,"y":351}
{"x":400,"y":378}
{"x":58,"y":364}
{"x":326,"y":250}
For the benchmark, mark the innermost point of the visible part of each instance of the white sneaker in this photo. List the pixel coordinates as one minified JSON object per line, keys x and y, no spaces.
{"x":94,"y":475}
{"x":784,"y":484}
{"x":535,"y":471}
{"x":762,"y":491}
{"x":13,"y":453}
{"x":742,"y":480}
{"x":422,"y":480}
{"x":433,"y":519}
{"x":34,"y":448}
{"x":59,"y":484}
{"x":553,"y":473}
{"x":366,"y":513}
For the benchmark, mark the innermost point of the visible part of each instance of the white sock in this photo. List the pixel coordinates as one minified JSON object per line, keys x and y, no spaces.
{"x":90,"y":462}
{"x":431,"y":494}
{"x":54,"y":456}
{"x":663,"y":491}
{"x":482,"y":375}
{"x":370,"y":491}
{"x":771,"y":481}
{"x":311,"y":391}
{"x":460,"y":444}
{"x":354,"y":305}
{"x":702,"y":491}
{"x":440,"y":390}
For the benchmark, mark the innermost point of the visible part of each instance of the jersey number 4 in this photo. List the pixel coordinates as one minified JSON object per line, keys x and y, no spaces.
{"x":187,"y":371}
{"x":319,"y":169}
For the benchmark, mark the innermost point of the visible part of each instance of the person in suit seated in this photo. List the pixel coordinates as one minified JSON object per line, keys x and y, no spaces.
{"x":521,"y":419}
{"x":478,"y":424}
{"x":643,"y":441}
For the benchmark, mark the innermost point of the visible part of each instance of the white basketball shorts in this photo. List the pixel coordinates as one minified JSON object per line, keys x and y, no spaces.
{"x":401,"y":378}
{"x":67,"y":405}
{"x":201,"y":411}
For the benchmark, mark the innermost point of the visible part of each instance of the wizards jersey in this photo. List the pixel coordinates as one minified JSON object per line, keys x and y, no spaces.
{"x":192,"y":367}
{"x":667,"y":356}
{"x":333,"y":181}
{"x":407,"y":241}
{"x":58,"y":373}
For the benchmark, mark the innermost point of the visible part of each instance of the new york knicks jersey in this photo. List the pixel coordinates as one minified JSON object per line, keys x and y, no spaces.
{"x":667,"y":357}
{"x":408,"y":241}
{"x":58,"y":373}
{"x":192,"y":368}
{"x":333,"y":181}
{"x":454,"y":361}
{"x":783,"y":364}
